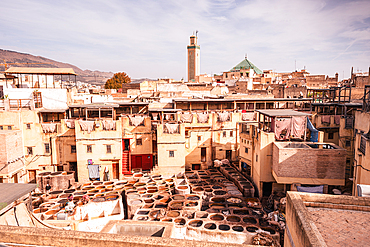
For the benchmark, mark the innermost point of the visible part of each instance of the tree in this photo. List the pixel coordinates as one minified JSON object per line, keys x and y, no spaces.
{"x":117,"y":80}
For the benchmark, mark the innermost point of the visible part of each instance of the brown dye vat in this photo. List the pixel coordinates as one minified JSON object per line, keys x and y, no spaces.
{"x":217,"y":205}
{"x":56,"y":192}
{"x":160,"y":205}
{"x":201,"y":214}
{"x":64,"y":195}
{"x":191,"y":204}
{"x":151,"y":191}
{"x":219,"y":192}
{"x":217,"y":217}
{"x":98,"y":199}
{"x":46,"y":204}
{"x":152,"y":187}
{"x":233,"y":218}
{"x":52,"y":212}
{"x":241,"y":212}
{"x":163,"y":188}
{"x":56,"y":173}
{"x":108,"y":183}
{"x":224,"y":227}
{"x":121,"y":183}
{"x":176,"y":205}
{"x":235,"y":205}
{"x":138,"y":175}
{"x":79,"y":193}
{"x":51,"y":197}
{"x":208,"y":190}
{"x":173,"y":214}
{"x":164,"y":200}
{"x":141,"y":189}
{"x":93,"y":191}
{"x":234,"y":200}
{"x":192,"y":197}
{"x":77,"y":198}
{"x":148,"y":205}
{"x":156,"y":214}
{"x":250,"y":220}
{"x":110,"y":187}
{"x":210,"y":226}
{"x":131,"y":192}
{"x":143,"y":212}
{"x":88,"y":188}
{"x":141,"y":192}
{"x":131,"y":182}
{"x":238,"y":228}
{"x":180,"y":221}
{"x":178,"y":198}
{"x":100,"y":187}
{"x":218,"y":199}
{"x":147,"y":195}
{"x":143,"y":218}
{"x":182,"y":187}
{"x":196,"y":223}
{"x":197,"y":189}
{"x":86,"y":184}
{"x":36,"y":194}
{"x":69,"y":191}
{"x":112,"y":193}
{"x":40,"y":210}
{"x":99,"y":195}
{"x":149,"y":200}
{"x":139,"y":185}
{"x":251,"y":229}
{"x":97,"y":183}
{"x":169,"y":180}
{"x":167,"y":220}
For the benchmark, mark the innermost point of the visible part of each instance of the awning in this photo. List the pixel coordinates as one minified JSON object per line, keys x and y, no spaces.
{"x":40,"y":71}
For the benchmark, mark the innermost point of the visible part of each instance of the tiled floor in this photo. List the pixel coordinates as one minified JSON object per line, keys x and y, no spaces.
{"x":342,"y":227}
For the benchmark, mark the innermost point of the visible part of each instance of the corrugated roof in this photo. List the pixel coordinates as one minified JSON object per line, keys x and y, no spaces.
{"x":282,"y":113}
{"x":40,"y":71}
{"x":10,"y":192}
{"x":246,"y":64}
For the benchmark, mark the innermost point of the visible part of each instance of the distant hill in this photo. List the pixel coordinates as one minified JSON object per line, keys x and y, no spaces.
{"x":92,"y":77}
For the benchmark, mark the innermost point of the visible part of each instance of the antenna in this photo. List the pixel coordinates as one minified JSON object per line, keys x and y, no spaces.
{"x":196,"y":33}
{"x":246,"y":55}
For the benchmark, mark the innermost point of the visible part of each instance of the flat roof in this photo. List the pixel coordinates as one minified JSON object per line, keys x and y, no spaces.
{"x":282,"y":113}
{"x":131,"y":103}
{"x":94,"y":106}
{"x":238,"y":99}
{"x":40,"y":71}
{"x":337,"y":103}
{"x":10,"y":192}
{"x":164,"y":109}
{"x":53,"y":110}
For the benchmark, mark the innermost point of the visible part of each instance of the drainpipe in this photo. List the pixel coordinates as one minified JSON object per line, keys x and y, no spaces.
{"x":53,"y":147}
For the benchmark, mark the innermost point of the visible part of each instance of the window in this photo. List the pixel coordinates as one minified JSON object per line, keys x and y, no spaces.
{"x":224,"y":134}
{"x":29,"y":151}
{"x":28,"y":126}
{"x":139,"y":141}
{"x":362,"y":148}
{"x":171,"y":154}
{"x":348,"y":143}
{"x":187,"y":133}
{"x":47,"y":148}
{"x":73,"y":149}
{"x":330,"y":135}
{"x":9,"y":127}
{"x":256,"y":158}
{"x":203,"y":154}
{"x":199,"y":138}
{"x":88,"y":148}
{"x":231,"y":133}
{"x":246,"y":150}
{"x":109,"y":149}
{"x":1,"y":127}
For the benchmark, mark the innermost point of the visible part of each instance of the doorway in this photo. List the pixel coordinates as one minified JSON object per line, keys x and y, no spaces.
{"x":228,"y":154}
{"x":73,"y":168}
{"x":115,"y":168}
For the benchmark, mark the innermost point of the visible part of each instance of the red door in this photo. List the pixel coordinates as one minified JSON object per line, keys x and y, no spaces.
{"x":126,"y":167}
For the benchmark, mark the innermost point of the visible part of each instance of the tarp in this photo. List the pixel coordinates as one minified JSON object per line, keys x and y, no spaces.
{"x":363,"y":190}
{"x":316,"y":189}
{"x":314,"y":132}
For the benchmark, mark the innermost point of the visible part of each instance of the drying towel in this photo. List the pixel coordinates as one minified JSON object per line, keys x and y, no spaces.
{"x":202,"y":117}
{"x":136,"y":120}
{"x":186,"y":117}
{"x":70,"y":123}
{"x":223,"y":116}
{"x":337,"y":119}
{"x":109,"y":125}
{"x":93,"y":171}
{"x":155,"y":116}
{"x":248,"y":116}
{"x":282,"y":128}
{"x":86,"y":125}
{"x":49,"y":127}
{"x":299,"y":124}
{"x":316,"y":189}
{"x":172,"y":128}
{"x":325,"y":119}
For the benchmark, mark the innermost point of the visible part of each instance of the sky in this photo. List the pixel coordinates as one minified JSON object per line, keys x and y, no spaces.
{"x":148,"y":39}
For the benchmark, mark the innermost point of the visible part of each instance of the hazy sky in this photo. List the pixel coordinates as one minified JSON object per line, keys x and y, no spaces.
{"x":148,"y":38}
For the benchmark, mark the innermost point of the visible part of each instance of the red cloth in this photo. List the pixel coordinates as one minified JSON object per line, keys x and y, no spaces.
{"x":282,"y":128}
{"x":337,"y":119}
{"x":325,"y":119}
{"x":299,"y":124}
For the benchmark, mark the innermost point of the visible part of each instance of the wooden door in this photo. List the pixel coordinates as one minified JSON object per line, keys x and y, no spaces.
{"x":115,"y":168}
{"x":32,"y":176}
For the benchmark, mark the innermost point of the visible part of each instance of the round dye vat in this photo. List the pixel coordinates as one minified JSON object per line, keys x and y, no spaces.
{"x":250,"y":220}
{"x":238,"y":228}
{"x":251,"y":229}
{"x":241,"y":212}
{"x":219,"y":192}
{"x":173,"y":214}
{"x":224,"y":227}
{"x":233,"y":218}
{"x":210,"y":226}
{"x":98,"y":199}
{"x":196,"y":223}
{"x":217,"y":217}
{"x":180,"y":221}
{"x":178,"y":198}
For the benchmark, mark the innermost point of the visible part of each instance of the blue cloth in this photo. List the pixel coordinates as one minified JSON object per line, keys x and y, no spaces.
{"x":316,"y":189}
{"x":93,"y":171}
{"x":314,"y":132}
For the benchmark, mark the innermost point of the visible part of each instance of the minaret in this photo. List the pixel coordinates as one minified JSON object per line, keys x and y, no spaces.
{"x":193,"y":58}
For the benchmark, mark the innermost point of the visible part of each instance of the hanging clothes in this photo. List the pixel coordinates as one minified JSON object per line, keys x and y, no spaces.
{"x":314,"y":132}
{"x":136,"y":120}
{"x":168,"y":116}
{"x":109,"y":125}
{"x":49,"y":127}
{"x":325,"y":119}
{"x":172,"y":128}
{"x":223,"y":116}
{"x":337,"y":119}
{"x":202,"y":117}
{"x":298,"y":124}
{"x":186,"y":117}
{"x":94,"y":171}
{"x":86,"y":125}
{"x":70,"y":123}
{"x":155,"y":116}
{"x":248,"y":116}
{"x":282,"y":128}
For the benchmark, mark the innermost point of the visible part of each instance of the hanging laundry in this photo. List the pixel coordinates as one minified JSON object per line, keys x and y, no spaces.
{"x":282,"y":128}
{"x":70,"y":123}
{"x":49,"y":127}
{"x":172,"y":128}
{"x":314,"y":132}
{"x":155,"y":116}
{"x":202,"y":117}
{"x":315,"y":189}
{"x":325,"y":119}
{"x":86,"y":125}
{"x":94,"y":171}
{"x":109,"y":125}
{"x":168,"y":116}
{"x":223,"y":116}
{"x":248,"y":116}
{"x":186,"y":117}
{"x":337,"y":119}
{"x":136,"y":120}
{"x":298,"y":124}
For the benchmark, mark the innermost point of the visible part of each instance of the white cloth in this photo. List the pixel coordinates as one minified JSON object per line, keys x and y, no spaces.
{"x":136,"y":120}
{"x":172,"y":128}
{"x":86,"y":125}
{"x":248,"y":116}
{"x":70,"y":123}
{"x":109,"y":125}
{"x":186,"y":117}
{"x":223,"y":116}
{"x":202,"y":117}
{"x":49,"y":127}
{"x":155,"y":116}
